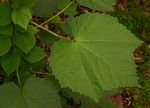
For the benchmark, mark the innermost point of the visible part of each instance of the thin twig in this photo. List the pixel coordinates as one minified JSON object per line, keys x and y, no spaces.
{"x":40,"y":73}
{"x":66,"y":7}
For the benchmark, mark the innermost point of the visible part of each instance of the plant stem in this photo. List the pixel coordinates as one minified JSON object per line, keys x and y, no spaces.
{"x":66,"y":7}
{"x":49,"y":31}
{"x":18,"y":77}
{"x":40,"y":73}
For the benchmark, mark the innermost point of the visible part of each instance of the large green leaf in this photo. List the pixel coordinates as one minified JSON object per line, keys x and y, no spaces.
{"x":21,"y":16}
{"x":25,"y":40}
{"x":98,"y":4}
{"x":10,"y":63}
{"x":82,"y":101}
{"x":100,"y":58}
{"x":5,"y":44}
{"x":37,"y":93}
{"x":5,"y":14}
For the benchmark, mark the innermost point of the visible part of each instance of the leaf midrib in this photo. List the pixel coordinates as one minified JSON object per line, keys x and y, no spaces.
{"x":106,"y":41}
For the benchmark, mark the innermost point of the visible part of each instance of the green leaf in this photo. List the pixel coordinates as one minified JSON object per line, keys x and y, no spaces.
{"x":37,"y":93}
{"x":100,"y":58}
{"x":47,"y":38}
{"x":10,"y":63}
{"x":98,"y":4}
{"x":45,"y":8}
{"x":23,"y":3}
{"x":71,"y":11}
{"x":6,"y":30}
{"x":24,"y":74}
{"x":35,"y":55}
{"x":81,"y":100}
{"x":5,"y":14}
{"x":25,"y":40}
{"x":35,"y":67}
{"x":5,"y":44}
{"x":21,"y":16}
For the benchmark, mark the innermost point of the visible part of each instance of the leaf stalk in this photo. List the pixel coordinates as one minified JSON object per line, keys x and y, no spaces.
{"x":51,"y":32}
{"x":18,"y":77}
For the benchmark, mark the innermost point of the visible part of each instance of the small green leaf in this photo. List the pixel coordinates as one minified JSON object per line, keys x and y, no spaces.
{"x":23,"y":3}
{"x":87,"y":65}
{"x":25,"y":40}
{"x":6,"y":30}
{"x":21,"y":16}
{"x":37,"y":93}
{"x":24,"y":74}
{"x":36,"y":67}
{"x":35,"y":55}
{"x":10,"y":63}
{"x":98,"y":4}
{"x":47,"y":38}
{"x":5,"y":44}
{"x":5,"y":14}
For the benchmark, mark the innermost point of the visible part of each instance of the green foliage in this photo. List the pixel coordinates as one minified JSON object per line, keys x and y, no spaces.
{"x":22,"y":3}
{"x":25,"y":40}
{"x":5,"y":44}
{"x":21,"y":16}
{"x":97,"y":58}
{"x":71,"y":11}
{"x":35,"y":55}
{"x":98,"y":4}
{"x":44,"y":8}
{"x":47,"y":38}
{"x":89,"y":59}
{"x":6,"y":30}
{"x":10,"y":63}
{"x":81,"y":101}
{"x":5,"y":14}
{"x":36,"y":93}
